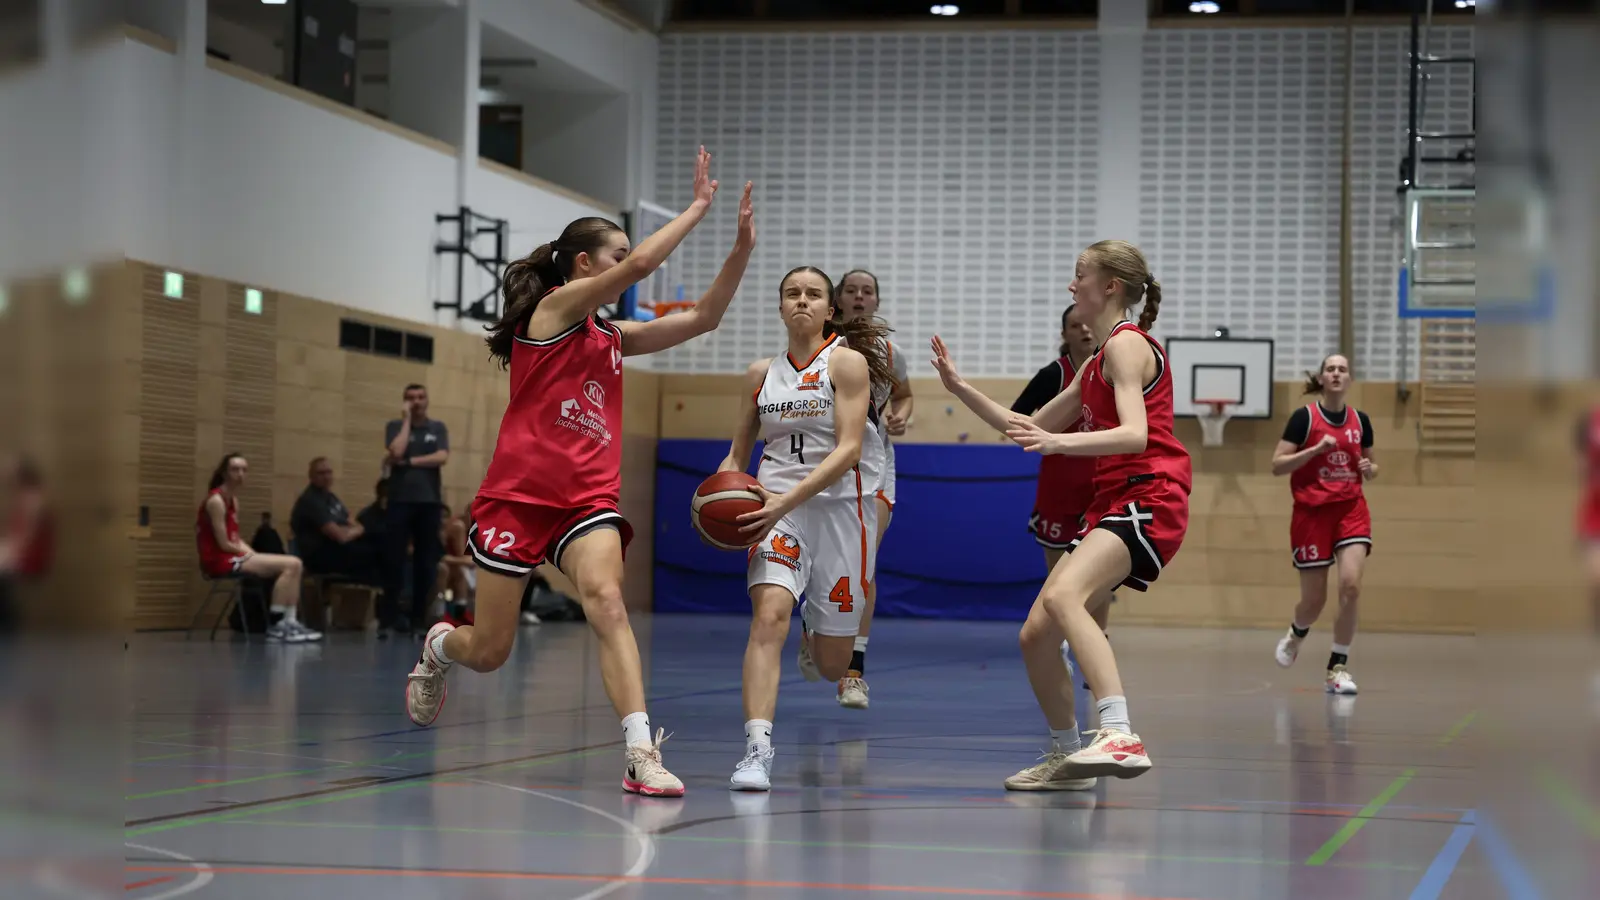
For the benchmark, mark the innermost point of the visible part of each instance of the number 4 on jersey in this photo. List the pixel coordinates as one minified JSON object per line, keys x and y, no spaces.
{"x":840,"y":595}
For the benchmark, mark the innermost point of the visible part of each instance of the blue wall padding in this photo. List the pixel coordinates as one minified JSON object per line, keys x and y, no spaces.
{"x":958,"y":547}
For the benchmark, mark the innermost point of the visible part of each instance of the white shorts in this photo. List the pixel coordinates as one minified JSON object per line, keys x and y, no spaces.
{"x":886,"y":483}
{"x":825,"y":552}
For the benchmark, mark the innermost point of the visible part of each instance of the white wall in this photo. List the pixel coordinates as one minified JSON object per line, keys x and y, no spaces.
{"x":294,"y":197}
{"x":966,"y":169}
{"x":573,"y":140}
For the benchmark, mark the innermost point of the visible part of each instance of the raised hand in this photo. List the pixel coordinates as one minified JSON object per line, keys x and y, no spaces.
{"x":948,"y":376}
{"x":705,"y":187}
{"x":745,"y":239}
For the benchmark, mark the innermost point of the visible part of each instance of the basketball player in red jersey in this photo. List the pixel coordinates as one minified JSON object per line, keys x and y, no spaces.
{"x":27,"y":544}
{"x":224,"y":554}
{"x":1326,"y":451}
{"x":1134,"y":525}
{"x":1589,"y":517}
{"x":551,"y":491}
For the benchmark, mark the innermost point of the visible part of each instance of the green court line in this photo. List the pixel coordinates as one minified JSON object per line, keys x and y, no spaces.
{"x":1326,"y":851}
{"x":1456,"y":729}
{"x":225,"y":816}
{"x":915,"y":848}
{"x":1571,"y":801}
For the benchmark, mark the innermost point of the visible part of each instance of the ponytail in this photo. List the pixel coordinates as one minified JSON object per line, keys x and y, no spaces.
{"x":870,"y":338}
{"x":1152,"y":304}
{"x":527,"y":280}
{"x":1313,"y":384}
{"x":1066,"y":348}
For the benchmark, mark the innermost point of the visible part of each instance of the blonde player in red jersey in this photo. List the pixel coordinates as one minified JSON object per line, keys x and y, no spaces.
{"x":551,"y":491}
{"x":1135,"y":523}
{"x":812,"y":408}
{"x":1326,"y":451}
{"x":858,"y":298}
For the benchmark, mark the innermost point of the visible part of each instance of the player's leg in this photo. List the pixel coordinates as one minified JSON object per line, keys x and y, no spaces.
{"x":1044,"y":657}
{"x":853,"y":686}
{"x":1311,"y":537}
{"x":1099,"y":562}
{"x":483,"y":646}
{"x":771,"y":607}
{"x":1352,"y":563}
{"x":1592,"y":564}
{"x":591,"y":557}
{"x":845,"y":540}
{"x":286,"y":574}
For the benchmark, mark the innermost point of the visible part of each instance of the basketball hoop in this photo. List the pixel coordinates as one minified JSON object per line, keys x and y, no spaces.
{"x":667,"y":307}
{"x":1213,"y":415}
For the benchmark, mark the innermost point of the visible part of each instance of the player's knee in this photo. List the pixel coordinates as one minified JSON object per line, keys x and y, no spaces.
{"x":1065,"y":597}
{"x":771,"y":622}
{"x":1035,"y":631}
{"x":1349,"y":591}
{"x":491,"y":649}
{"x":603,"y":607}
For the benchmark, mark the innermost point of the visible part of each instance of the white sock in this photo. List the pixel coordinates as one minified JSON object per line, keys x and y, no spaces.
{"x":437,"y":645}
{"x":288,"y":613}
{"x":1340,"y":648}
{"x":1114,"y":714}
{"x":636,"y":728}
{"x":1067,"y":740}
{"x":861,"y":643}
{"x":757,"y":733}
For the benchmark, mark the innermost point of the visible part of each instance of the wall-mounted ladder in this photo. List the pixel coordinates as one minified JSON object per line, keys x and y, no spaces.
{"x":1438,"y":275}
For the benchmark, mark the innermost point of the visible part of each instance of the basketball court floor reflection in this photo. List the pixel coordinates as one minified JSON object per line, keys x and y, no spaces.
{"x":260,"y":771}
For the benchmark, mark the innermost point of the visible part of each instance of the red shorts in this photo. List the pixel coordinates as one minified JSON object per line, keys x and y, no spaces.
{"x":513,"y":538}
{"x":1317,"y":532}
{"x":1151,"y":518}
{"x":1589,"y":520}
{"x":222,"y":566}
{"x":1055,"y":529}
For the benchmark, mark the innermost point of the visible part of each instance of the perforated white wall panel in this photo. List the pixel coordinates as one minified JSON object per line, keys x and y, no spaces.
{"x":961,"y":168}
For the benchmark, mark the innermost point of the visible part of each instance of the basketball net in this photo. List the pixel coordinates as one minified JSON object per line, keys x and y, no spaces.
{"x":1213,"y":415}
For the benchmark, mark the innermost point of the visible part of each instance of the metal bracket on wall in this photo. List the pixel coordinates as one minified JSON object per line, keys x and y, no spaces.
{"x":471,"y":226}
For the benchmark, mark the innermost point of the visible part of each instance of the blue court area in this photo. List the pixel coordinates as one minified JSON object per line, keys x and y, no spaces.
{"x":271,"y":771}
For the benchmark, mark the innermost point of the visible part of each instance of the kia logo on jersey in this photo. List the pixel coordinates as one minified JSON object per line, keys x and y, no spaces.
{"x":594,"y":393}
{"x":1339,"y":458}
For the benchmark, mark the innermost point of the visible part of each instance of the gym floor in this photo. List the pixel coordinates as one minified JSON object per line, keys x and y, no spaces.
{"x":264,"y":771}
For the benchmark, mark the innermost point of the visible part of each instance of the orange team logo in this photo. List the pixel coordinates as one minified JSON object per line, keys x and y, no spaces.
{"x":811,"y":381}
{"x":786,"y":546}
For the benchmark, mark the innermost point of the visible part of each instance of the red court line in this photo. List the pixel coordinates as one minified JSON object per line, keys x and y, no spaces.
{"x":644,"y":879}
{"x":148,"y":882}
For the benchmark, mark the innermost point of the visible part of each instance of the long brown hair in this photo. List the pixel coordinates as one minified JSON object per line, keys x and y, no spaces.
{"x":867,"y":336}
{"x":1066,"y":348}
{"x":1123,"y":261}
{"x":528,"y":279}
{"x":219,"y":475}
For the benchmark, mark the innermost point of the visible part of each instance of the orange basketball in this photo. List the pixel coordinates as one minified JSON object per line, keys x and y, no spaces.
{"x":718,"y":503}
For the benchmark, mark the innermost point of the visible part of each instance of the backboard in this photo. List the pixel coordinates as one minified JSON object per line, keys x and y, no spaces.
{"x":1234,"y":369}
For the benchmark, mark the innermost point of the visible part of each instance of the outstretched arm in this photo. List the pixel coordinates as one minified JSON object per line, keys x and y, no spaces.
{"x":997,"y":416}
{"x":639,"y":338}
{"x":744,"y":440}
{"x":1130,"y":362}
{"x":580,"y":299}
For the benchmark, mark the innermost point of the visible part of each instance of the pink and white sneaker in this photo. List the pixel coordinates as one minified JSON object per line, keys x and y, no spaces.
{"x":646,"y":775}
{"x":425,"y":687}
{"x":1111,"y":753}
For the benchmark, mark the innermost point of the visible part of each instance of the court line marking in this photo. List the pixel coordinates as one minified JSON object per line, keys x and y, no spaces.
{"x":1343,"y":836}
{"x":1444,"y":865}
{"x":647,"y":845}
{"x":252,"y":779}
{"x":190,"y":818}
{"x":202,"y":872}
{"x":658,"y":880}
{"x":911,"y":848}
{"x":1456,"y":729}
{"x":1571,"y":801}
{"x":1513,"y":877}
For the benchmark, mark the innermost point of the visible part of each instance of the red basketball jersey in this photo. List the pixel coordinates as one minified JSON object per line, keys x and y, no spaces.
{"x":1591,"y":450}
{"x":560,"y":441}
{"x":1066,"y":482}
{"x":212,"y":556}
{"x":1164,"y":456}
{"x":1332,"y":476}
{"x":36,"y":555}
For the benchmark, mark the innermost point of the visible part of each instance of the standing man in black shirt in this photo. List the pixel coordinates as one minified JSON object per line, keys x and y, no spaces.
{"x":417,"y":448}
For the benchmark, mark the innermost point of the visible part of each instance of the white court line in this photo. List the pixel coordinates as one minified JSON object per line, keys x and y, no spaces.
{"x":647,"y":844}
{"x":203,"y":873}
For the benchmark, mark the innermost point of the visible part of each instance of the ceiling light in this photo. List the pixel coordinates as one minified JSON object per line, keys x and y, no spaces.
{"x":274,"y":2}
{"x":1466,"y":4}
{"x":944,"y":9}
{"x":1204,"y":6}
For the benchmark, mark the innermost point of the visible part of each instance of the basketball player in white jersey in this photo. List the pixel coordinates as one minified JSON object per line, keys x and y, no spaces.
{"x":891,"y":403}
{"x":811,"y":407}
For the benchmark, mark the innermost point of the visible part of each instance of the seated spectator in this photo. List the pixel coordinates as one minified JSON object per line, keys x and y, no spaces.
{"x":267,"y":539}
{"x":223,"y":554}
{"x":27,"y":541}
{"x":323,"y":533}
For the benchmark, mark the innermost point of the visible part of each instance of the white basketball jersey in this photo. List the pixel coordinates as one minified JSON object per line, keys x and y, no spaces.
{"x":796,"y":407}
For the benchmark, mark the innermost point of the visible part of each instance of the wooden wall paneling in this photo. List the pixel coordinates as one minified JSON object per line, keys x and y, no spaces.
{"x":166,"y":561}
{"x":641,"y":405}
{"x":250,"y":419}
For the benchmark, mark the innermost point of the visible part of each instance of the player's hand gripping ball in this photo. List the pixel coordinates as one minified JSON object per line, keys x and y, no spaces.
{"x":718,"y":503}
